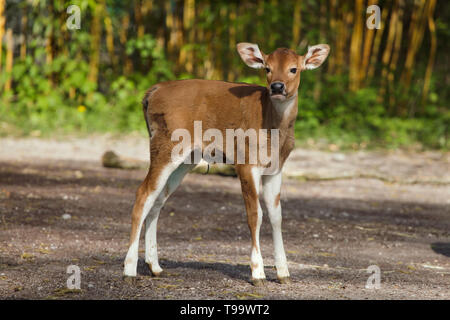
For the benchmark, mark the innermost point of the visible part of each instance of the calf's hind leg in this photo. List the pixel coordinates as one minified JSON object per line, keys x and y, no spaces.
{"x":146,"y":197}
{"x":151,"y":248}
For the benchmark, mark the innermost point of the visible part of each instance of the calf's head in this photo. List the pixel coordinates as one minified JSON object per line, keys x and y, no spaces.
{"x":283,"y":66}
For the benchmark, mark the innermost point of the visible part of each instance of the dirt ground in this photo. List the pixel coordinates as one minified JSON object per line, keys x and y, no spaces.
{"x":57,"y":212}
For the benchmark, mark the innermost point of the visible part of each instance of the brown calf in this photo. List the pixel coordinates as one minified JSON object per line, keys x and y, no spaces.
{"x":218,"y":107}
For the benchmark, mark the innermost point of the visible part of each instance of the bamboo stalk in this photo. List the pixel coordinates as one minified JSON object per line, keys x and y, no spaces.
{"x":333,"y":26}
{"x":414,"y":19}
{"x":185,"y":57}
{"x":170,"y":25}
{"x":386,"y":58}
{"x":368,"y":42}
{"x":9,"y":58}
{"x":200,"y":39}
{"x":341,"y":38}
{"x":127,"y":65}
{"x":147,"y":7}
{"x":50,"y":39}
{"x":417,"y":31}
{"x":2,"y":29}
{"x":272,"y":36}
{"x":141,"y":9}
{"x":188,"y":14}
{"x":179,"y":40}
{"x":160,"y":34}
{"x":23,"y":45}
{"x":209,"y":66}
{"x":317,"y":90}
{"x":422,"y":24}
{"x":355,"y":46}
{"x":123,"y":31}
{"x":323,"y":22}
{"x":396,"y":52}
{"x":376,"y":46}
{"x":95,"y":41}
{"x":296,"y":24}
{"x":174,"y":25}
{"x":431,"y":58}
{"x":232,"y":35}
{"x":64,"y":34}
{"x":261,"y":24}
{"x":138,"y":19}
{"x":415,"y":39}
{"x":220,"y":46}
{"x":110,"y":40}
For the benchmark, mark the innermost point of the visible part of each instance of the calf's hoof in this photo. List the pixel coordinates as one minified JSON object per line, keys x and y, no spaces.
{"x":130,"y":280}
{"x":259,"y":282}
{"x":156,"y":273}
{"x":284,"y":280}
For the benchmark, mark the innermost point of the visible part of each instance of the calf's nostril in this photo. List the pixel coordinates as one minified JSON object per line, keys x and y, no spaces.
{"x":277,"y":87}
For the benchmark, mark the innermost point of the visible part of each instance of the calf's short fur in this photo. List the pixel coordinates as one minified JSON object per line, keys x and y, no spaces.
{"x":220,"y":105}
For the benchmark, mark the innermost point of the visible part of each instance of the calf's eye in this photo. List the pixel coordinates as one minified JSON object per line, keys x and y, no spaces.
{"x":267,"y":70}
{"x":293,"y":70}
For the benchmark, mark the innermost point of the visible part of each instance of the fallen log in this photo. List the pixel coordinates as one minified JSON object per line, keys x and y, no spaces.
{"x":217,"y":168}
{"x":112,"y":160}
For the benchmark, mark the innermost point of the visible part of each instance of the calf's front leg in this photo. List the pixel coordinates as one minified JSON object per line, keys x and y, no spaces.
{"x":250,"y":180}
{"x":271,"y":193}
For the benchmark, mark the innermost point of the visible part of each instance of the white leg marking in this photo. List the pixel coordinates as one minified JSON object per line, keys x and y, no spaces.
{"x":131,"y":259}
{"x":256,"y":257}
{"x":271,"y":190}
{"x":133,"y":254}
{"x":151,"y":247}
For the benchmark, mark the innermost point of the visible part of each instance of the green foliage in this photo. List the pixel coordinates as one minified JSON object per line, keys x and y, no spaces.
{"x":354,"y":120}
{"x":57,"y":97}
{"x":76,"y":104}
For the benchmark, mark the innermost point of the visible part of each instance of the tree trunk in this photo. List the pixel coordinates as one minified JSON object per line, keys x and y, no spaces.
{"x":138,"y":19}
{"x":355,"y":46}
{"x":2,"y":29}
{"x":333,"y":26}
{"x":431,"y":58}
{"x":23,"y":27}
{"x":395,"y":55}
{"x":388,"y":51}
{"x":127,"y":64}
{"x":415,"y":36}
{"x":50,"y":43}
{"x":416,"y":31}
{"x":187,"y":54}
{"x":96,"y":31}
{"x":171,"y":25}
{"x":317,"y":91}
{"x":231,"y":76}
{"x":376,"y":46}
{"x":110,"y":40}
{"x":342,"y":36}
{"x":368,"y":42}
{"x":296,"y":24}
{"x":9,"y":58}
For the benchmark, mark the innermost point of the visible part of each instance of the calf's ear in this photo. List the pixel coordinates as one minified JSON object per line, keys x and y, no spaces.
{"x":251,"y":54}
{"x":315,"y":56}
